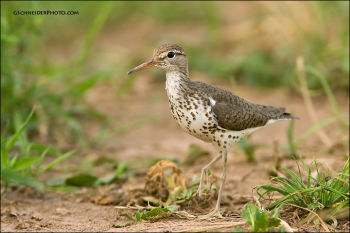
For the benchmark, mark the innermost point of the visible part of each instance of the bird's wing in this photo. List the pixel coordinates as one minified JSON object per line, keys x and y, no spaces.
{"x":235,"y":113}
{"x":238,"y":114}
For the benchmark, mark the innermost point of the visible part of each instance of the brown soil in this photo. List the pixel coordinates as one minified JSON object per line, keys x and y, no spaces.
{"x":94,"y":209}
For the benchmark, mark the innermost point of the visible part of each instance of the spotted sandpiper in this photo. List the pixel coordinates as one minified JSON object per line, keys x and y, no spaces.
{"x":207,"y":112}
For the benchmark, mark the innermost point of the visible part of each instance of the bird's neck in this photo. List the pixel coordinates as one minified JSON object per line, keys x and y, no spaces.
{"x":176,"y":83}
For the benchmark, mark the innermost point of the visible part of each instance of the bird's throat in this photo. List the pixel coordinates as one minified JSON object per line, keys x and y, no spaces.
{"x":176,"y":83}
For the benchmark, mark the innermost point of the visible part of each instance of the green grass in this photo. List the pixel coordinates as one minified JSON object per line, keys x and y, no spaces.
{"x":24,"y":168}
{"x":56,"y":90}
{"x":314,"y":193}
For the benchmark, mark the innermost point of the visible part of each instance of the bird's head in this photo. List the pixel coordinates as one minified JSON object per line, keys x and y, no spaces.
{"x":169,"y":57}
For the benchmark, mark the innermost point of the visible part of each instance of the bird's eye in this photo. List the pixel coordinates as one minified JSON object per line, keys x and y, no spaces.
{"x":171,"y":54}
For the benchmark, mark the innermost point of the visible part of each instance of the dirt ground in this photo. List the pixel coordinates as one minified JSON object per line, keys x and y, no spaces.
{"x":25,"y":209}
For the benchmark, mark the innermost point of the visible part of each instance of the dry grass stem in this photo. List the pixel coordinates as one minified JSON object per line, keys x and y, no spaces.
{"x":258,"y":203}
{"x":184,"y":214}
{"x":308,"y":102}
{"x":214,"y":227}
{"x":323,"y":224}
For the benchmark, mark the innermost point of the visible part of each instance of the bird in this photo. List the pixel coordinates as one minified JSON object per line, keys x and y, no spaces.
{"x":207,"y":112}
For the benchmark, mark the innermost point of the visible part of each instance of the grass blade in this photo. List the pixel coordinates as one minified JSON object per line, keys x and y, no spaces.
{"x":24,"y":163}
{"x":56,"y":161}
{"x":295,"y":177}
{"x":40,"y":160}
{"x":25,"y":180}
{"x":14,"y":138}
{"x":4,"y":153}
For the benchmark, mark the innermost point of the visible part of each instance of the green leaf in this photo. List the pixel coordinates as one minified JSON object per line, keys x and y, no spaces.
{"x":172,"y":208}
{"x":259,"y":221}
{"x":105,"y":180}
{"x":274,"y":222}
{"x":138,"y":216}
{"x":117,"y":174}
{"x":249,"y":213}
{"x":8,"y":174}
{"x":120,"y":169}
{"x":24,"y":163}
{"x":152,"y":213}
{"x":56,"y":161}
{"x":262,"y":223}
{"x":81,"y":180}
{"x":129,"y":217}
{"x":104,"y":160}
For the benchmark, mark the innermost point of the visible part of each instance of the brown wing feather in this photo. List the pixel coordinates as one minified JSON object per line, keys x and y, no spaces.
{"x":235,"y":113}
{"x":244,"y":115}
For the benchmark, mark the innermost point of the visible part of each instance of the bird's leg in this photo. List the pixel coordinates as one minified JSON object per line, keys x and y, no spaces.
{"x":205,"y":172}
{"x":216,"y":211}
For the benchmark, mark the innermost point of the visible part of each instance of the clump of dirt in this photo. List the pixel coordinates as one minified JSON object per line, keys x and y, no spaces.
{"x":202,"y":205}
{"x":111,"y":195}
{"x":162,"y":184}
{"x":163,"y":178}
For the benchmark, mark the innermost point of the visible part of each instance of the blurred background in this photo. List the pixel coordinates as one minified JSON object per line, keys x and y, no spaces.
{"x":64,"y":85}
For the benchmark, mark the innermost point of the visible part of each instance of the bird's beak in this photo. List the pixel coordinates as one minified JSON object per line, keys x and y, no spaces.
{"x":143,"y":66}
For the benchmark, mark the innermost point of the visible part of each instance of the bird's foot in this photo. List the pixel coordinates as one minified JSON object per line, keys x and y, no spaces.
{"x":215,"y":213}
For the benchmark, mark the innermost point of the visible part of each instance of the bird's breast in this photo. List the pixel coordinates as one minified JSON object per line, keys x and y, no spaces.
{"x":194,"y":115}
